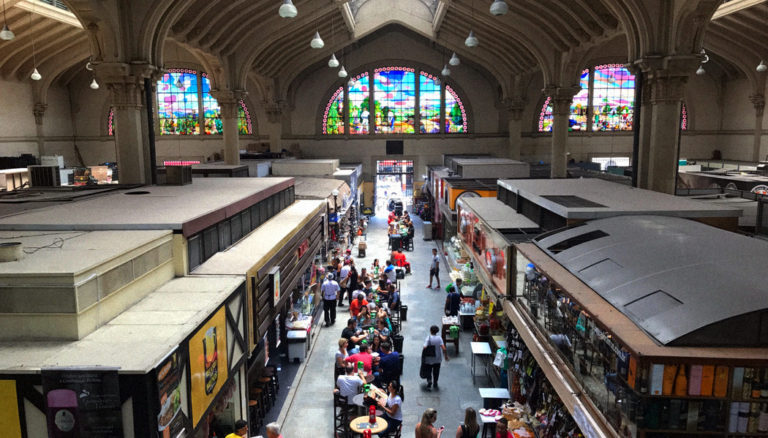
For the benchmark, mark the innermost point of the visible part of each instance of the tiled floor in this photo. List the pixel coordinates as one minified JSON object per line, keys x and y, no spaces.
{"x":309,"y":413}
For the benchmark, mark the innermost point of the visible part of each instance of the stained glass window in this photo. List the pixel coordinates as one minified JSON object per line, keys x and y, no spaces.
{"x":613,"y":98}
{"x":359,"y":104}
{"x":178,"y":103}
{"x":429,"y":103}
{"x":545,"y":116}
{"x":333,"y":117}
{"x":394,"y":100}
{"x":579,"y":117}
{"x":244,"y":124}
{"x":111,"y":122}
{"x":388,"y":104}
{"x":455,"y":115}
{"x":211,"y":110}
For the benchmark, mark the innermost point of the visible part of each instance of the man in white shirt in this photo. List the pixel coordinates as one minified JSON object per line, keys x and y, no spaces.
{"x":344,"y":273}
{"x":434,"y":269}
{"x":349,"y":385}
{"x":329,"y":289}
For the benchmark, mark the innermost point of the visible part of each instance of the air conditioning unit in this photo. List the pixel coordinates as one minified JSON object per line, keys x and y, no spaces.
{"x":178,"y":175}
{"x":44,"y":176}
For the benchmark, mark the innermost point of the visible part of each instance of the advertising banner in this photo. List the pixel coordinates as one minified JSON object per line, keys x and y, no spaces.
{"x":208,"y":363}
{"x":170,"y":420}
{"x":274,"y":276}
{"x":82,"y":402}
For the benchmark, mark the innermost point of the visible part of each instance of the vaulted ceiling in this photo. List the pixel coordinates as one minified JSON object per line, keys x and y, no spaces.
{"x":246,"y":38}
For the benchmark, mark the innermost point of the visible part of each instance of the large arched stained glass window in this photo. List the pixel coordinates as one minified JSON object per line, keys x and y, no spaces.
{"x":613,"y":98}
{"x":579,"y":108}
{"x":394,"y":100}
{"x":455,"y":115}
{"x":183,"y":95}
{"x":333,"y":117}
{"x":359,"y":104}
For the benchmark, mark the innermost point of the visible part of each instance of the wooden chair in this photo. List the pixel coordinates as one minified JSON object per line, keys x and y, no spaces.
{"x":341,"y":416}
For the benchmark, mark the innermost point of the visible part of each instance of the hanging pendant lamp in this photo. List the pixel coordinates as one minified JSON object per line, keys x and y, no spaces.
{"x":446,"y":71}
{"x":317,"y":42}
{"x":471,"y":40}
{"x":333,"y":62}
{"x":454,"y":61}
{"x":700,"y":71}
{"x":179,"y":84}
{"x":94,"y":85}
{"x":35,"y":76}
{"x":762,"y":68}
{"x":342,"y":72}
{"x":499,"y":7}
{"x":287,"y":9}
{"x":6,"y":34}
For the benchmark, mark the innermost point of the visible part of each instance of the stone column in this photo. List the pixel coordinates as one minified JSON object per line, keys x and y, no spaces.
{"x":561,"y":99}
{"x":666,"y":100}
{"x":515,"y":125}
{"x":274,"y":126}
{"x":758,"y":101}
{"x":39,"y":112}
{"x":229,"y":103}
{"x":644,"y":150}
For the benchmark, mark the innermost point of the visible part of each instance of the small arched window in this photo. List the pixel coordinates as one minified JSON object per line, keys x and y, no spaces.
{"x":394,"y":100}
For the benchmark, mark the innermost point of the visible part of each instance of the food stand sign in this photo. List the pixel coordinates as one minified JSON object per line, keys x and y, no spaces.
{"x":170,"y":420}
{"x":274,"y":276}
{"x":208,"y":363}
{"x":82,"y":402}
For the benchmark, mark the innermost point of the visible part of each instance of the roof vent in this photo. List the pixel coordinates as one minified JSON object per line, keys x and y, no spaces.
{"x":576,"y":240}
{"x":11,"y":251}
{"x":652,"y":304}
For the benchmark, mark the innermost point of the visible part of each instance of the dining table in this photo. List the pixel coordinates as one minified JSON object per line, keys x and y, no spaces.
{"x":360,"y":424}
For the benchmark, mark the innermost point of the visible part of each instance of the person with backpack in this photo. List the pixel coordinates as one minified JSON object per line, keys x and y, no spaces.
{"x":432,"y":356}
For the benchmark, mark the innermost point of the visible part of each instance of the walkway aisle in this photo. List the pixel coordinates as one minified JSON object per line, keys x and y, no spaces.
{"x":310,"y":414}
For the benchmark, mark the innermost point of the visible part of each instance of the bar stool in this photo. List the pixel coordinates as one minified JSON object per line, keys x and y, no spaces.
{"x":253,"y":412}
{"x":265,"y":383}
{"x":271,"y":371}
{"x":259,"y":396}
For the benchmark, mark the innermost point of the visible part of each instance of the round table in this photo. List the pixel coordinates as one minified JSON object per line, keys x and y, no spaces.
{"x":359,"y":424}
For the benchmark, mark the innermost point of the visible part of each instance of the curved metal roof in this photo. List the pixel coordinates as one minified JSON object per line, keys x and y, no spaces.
{"x":683,"y":282}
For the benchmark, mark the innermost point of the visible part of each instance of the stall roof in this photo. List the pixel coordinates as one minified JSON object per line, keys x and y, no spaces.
{"x":320,"y":188}
{"x":261,"y":244}
{"x":472,"y":184}
{"x":138,"y":338}
{"x":52,"y":253}
{"x":591,"y":198}
{"x":189,"y":208}
{"x":485,"y":161}
{"x":682,"y":282}
{"x":499,"y":215}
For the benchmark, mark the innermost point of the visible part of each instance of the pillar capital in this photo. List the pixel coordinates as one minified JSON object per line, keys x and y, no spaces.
{"x":514,"y":108}
{"x":125,"y":81}
{"x":39,"y":112}
{"x":667,"y":89}
{"x":228,"y":102}
{"x":561,"y":98}
{"x":758,"y":101}
{"x":274,"y":110}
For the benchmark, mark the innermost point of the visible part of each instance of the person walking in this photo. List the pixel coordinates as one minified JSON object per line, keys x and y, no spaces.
{"x":452,"y":303}
{"x":344,"y":282}
{"x":329,"y":289}
{"x":434,"y":269}
{"x":433,"y":351}
{"x":469,"y":428}
{"x":241,"y":430}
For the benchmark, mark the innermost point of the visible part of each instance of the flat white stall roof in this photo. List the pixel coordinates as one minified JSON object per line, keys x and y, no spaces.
{"x":70,"y":252}
{"x":188,"y":208}
{"x":498,"y":215}
{"x":263,"y":242}
{"x":591,"y":198}
{"x":320,"y":188}
{"x":139,"y":338}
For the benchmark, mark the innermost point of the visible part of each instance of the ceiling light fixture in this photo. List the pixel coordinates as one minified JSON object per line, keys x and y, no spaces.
{"x":94,"y":85}
{"x":700,"y":71}
{"x":471,"y":40}
{"x":342,"y":72}
{"x":317,"y":42}
{"x":762,"y":68}
{"x":333,"y":62}
{"x":6,"y":33}
{"x":288,"y":10}
{"x":454,"y":61}
{"x":35,"y":76}
{"x":704,"y":56}
{"x":446,"y":71}
{"x":499,"y":7}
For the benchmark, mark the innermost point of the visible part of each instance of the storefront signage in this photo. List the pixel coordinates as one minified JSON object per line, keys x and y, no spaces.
{"x":601,"y":335}
{"x":170,"y":419}
{"x":82,"y":402}
{"x":208,"y":363}
{"x":274,"y":279}
{"x":302,"y":249}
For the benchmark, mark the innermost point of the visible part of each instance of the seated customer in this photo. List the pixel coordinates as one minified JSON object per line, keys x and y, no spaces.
{"x":363,"y":356}
{"x":350,"y":383}
{"x":357,"y":304}
{"x":351,"y":334}
{"x":399,"y":258}
{"x":364,"y":320}
{"x":381,"y":329}
{"x":389,"y":363}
